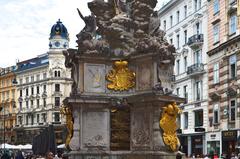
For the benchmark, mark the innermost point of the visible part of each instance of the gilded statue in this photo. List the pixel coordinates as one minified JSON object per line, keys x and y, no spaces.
{"x":121,"y":77}
{"x":169,"y":126}
{"x":69,"y":122}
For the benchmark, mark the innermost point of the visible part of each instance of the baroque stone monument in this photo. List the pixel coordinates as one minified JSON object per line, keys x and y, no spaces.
{"x":121,"y":105}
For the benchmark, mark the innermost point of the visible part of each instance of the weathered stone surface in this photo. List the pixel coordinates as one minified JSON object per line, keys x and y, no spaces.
{"x":95,"y":129}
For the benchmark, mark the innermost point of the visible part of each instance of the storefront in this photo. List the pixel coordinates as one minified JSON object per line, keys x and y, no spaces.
{"x":197,"y":145}
{"x":213,"y":143}
{"x":229,"y":142}
{"x":184,"y":144}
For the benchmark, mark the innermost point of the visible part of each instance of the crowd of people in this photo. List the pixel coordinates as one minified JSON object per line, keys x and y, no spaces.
{"x":7,"y":154}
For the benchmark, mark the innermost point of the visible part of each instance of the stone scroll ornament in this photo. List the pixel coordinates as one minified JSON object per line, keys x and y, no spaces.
{"x":69,"y":122}
{"x":121,"y":77}
{"x":169,"y":126}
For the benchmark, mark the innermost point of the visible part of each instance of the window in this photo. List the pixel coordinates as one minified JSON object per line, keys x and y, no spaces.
{"x":20,"y":81}
{"x":216,"y":73}
{"x":198,"y":118}
{"x":178,"y":16}
{"x":20,"y":93}
{"x":215,"y":6}
{"x":38,"y":77}
{"x":13,"y":94}
{"x":27,"y":104}
{"x":178,"y":67}
{"x":185,"y":115}
{"x":233,"y":24}
{"x":171,"y":21}
{"x":44,"y":75}
{"x":37,"y":89}
{"x":38,"y":103}
{"x":197,"y":28}
{"x":37,"y":118}
{"x":7,"y":93}
{"x":232,"y":111}
{"x":44,"y":117}
{"x":215,"y":33}
{"x":44,"y":88}
{"x":55,"y":74}
{"x":26,"y":119}
{"x":198,"y":57}
{"x":178,"y":41}
{"x":20,"y":120}
{"x":20,"y":105}
{"x":178,"y":91}
{"x":57,"y":101}
{"x":185,"y":93}
{"x":164,"y":25}
{"x":199,"y":4}
{"x":195,"y":5}
{"x":198,"y":86}
{"x":31,"y":103}
{"x":185,"y":11}
{"x":56,"y":117}
{"x":233,"y":66}
{"x":171,"y":41}
{"x":185,"y":37}
{"x":27,"y":79}
{"x":216,"y":113}
{"x":185,"y":63}
{"x":26,"y":91}
{"x":57,"y":87}
{"x":32,"y":78}
{"x":32,"y":90}
{"x":44,"y":102}
{"x":3,"y":95}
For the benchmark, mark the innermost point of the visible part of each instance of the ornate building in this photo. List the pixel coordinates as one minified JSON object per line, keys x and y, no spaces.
{"x":185,"y":23}
{"x":224,"y":76}
{"x":7,"y":104}
{"x":43,"y":82}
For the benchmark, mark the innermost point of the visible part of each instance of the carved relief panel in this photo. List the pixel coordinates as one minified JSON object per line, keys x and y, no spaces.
{"x":95,"y":132}
{"x":164,"y":76}
{"x":144,"y":77}
{"x":94,"y":78}
{"x":141,"y":129}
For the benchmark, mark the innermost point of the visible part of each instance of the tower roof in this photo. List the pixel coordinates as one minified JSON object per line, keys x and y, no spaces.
{"x":59,"y":29}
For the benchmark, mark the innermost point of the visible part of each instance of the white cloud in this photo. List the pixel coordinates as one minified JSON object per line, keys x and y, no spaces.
{"x":25,"y":26}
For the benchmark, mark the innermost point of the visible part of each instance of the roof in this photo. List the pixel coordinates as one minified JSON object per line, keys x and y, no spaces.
{"x":38,"y":61}
{"x":59,"y":29}
{"x":167,"y":6}
{"x":4,"y":71}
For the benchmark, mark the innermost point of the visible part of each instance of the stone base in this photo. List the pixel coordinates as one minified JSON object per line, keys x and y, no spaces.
{"x":121,"y":155}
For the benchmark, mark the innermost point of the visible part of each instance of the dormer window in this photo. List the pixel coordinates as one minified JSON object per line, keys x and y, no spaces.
{"x":57,"y":73}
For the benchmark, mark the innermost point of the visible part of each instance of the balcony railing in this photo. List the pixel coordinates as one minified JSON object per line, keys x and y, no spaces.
{"x":195,"y":41}
{"x":195,"y":69}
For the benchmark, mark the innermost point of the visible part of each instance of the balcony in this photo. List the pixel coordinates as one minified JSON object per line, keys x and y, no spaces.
{"x":195,"y":69}
{"x":195,"y":41}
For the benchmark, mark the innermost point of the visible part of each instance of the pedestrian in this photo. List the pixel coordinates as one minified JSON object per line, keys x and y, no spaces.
{"x":49,"y":155}
{"x":206,"y":156}
{"x":178,"y":156}
{"x":19,"y":155}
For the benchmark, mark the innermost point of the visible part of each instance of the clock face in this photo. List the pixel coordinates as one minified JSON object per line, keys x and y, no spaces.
{"x":57,"y":43}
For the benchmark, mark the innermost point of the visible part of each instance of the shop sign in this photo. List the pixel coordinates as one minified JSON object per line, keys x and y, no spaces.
{"x":229,"y":135}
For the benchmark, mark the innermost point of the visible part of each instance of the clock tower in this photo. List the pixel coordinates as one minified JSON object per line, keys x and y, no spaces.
{"x":59,"y":38}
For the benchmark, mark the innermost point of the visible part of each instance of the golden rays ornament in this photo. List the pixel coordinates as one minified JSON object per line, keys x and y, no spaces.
{"x":121,"y":77}
{"x":169,"y":126}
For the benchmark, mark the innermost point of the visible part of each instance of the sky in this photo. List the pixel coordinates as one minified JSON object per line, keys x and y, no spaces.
{"x":25,"y":26}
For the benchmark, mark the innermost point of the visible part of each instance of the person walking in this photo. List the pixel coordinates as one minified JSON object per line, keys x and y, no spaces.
{"x":50,"y":155}
{"x":19,"y":155}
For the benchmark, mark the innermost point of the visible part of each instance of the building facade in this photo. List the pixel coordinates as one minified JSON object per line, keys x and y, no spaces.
{"x":7,"y":105}
{"x":185,"y":24}
{"x":43,"y":83}
{"x":223,"y":136}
